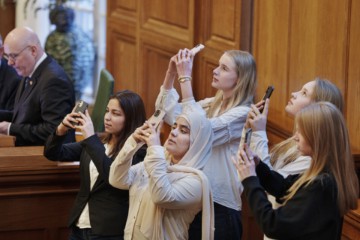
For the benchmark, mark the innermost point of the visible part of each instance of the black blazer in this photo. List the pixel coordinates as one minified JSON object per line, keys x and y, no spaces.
{"x":108,"y":206}
{"x":43,"y":105}
{"x":9,"y":81}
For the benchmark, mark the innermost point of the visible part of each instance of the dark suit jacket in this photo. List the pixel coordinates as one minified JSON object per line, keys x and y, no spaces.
{"x":42,"y":106}
{"x":108,"y":206}
{"x":9,"y":81}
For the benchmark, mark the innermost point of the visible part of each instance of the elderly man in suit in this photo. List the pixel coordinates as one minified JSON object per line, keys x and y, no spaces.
{"x":45,"y":94}
{"x":9,"y":81}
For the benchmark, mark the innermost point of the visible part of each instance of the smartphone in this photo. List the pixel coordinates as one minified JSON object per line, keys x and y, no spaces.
{"x":268,"y":92}
{"x":81,"y":106}
{"x":197,"y":49}
{"x":267,"y":95}
{"x":156,"y":118}
{"x":248,"y":136}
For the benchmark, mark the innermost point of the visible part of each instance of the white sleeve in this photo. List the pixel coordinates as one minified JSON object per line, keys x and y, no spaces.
{"x":300,"y":165}
{"x":121,"y":173}
{"x":168,"y":101}
{"x":228,"y":126}
{"x":179,"y":194}
{"x":259,"y":144}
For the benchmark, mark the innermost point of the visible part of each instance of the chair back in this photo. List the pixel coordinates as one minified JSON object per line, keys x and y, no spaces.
{"x":104,"y":91}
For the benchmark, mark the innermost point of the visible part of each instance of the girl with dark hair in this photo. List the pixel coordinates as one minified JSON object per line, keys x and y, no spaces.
{"x":100,"y":210}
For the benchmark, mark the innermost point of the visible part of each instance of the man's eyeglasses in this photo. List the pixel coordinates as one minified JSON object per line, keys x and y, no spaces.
{"x":13,"y":56}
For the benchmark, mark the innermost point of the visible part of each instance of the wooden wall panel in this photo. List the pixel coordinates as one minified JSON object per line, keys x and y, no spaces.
{"x":270,"y":44}
{"x":161,"y":17}
{"x":167,"y":12}
{"x":124,"y":69}
{"x":121,"y":44}
{"x":222,"y":28}
{"x":296,"y":41}
{"x":122,"y":9}
{"x":157,"y":61}
{"x":208,"y":62}
{"x":318,"y":41}
{"x":7,"y":17}
{"x":353,"y":80}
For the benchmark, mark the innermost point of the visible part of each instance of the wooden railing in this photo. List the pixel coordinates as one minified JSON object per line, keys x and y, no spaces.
{"x":36,"y":194}
{"x":7,"y":141}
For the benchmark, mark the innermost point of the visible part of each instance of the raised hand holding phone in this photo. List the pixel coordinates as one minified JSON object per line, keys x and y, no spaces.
{"x":81,"y":107}
{"x":156,"y":118}
{"x":85,"y":125}
{"x":267,"y":95}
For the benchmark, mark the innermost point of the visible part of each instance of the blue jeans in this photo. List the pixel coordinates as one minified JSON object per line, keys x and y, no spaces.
{"x":86,"y":234}
{"x":227,"y":224}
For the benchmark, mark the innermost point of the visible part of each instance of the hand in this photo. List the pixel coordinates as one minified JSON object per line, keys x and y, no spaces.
{"x":246,"y":162}
{"x":255,"y":119}
{"x":184,"y":62}
{"x":154,"y":138}
{"x":4,"y":126}
{"x":85,"y":124}
{"x":148,"y":134}
{"x":67,"y":123}
{"x":259,"y":105}
{"x":140,"y":133}
{"x":172,"y":65}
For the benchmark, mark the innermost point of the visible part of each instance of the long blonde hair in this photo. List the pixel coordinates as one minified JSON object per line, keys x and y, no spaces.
{"x":324,"y":90}
{"x":244,"y":89}
{"x":323,"y":127}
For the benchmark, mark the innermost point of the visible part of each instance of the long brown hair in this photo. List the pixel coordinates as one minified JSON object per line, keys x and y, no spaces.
{"x":324,"y":90}
{"x":244,"y":89}
{"x":134,"y":111}
{"x":323,"y":127}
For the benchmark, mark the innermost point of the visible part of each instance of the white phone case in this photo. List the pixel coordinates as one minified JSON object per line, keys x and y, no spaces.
{"x":156,"y":118}
{"x":197,"y":49}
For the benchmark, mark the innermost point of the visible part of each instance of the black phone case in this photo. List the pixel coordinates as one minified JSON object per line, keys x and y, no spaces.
{"x":81,"y":107}
{"x":267,"y":95}
{"x":268,"y":92}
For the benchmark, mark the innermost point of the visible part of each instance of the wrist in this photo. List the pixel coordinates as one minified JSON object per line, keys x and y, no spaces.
{"x":183,"y":79}
{"x":171,"y":73}
{"x":65,"y":125}
{"x":60,"y":131}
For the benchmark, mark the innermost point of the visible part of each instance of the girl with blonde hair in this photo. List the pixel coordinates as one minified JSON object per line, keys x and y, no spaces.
{"x":315,"y":201}
{"x":284,"y":157}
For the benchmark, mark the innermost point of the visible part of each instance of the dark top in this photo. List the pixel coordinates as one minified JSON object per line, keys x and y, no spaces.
{"x":108,"y":206}
{"x":40,"y":108}
{"x":9,"y":81}
{"x":312,"y":213}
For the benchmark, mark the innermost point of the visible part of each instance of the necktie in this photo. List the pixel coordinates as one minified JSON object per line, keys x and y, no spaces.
{"x":27,"y":80}
{"x":26,"y":84}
